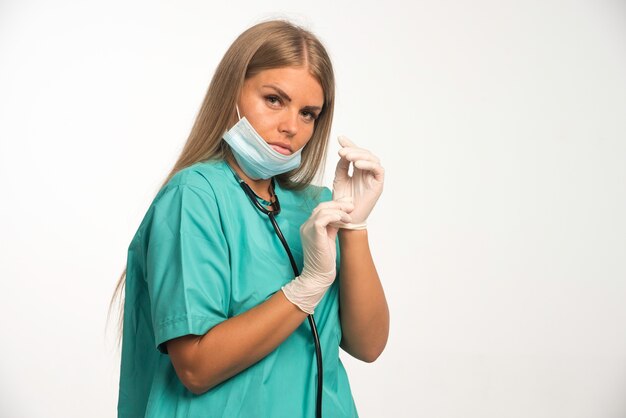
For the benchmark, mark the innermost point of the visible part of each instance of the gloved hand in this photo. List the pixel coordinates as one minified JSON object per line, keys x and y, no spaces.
{"x":320,"y":255}
{"x":362,"y":189}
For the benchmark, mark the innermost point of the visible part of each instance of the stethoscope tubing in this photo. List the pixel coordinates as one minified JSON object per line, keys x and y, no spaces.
{"x":318,"y":350}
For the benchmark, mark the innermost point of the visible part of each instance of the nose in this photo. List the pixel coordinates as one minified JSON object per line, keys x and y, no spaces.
{"x":288,"y":124}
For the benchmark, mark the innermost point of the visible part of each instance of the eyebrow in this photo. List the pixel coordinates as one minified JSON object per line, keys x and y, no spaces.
{"x":286,"y":96}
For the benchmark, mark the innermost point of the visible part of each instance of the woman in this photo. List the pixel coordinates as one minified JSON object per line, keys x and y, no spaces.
{"x":215,"y":306}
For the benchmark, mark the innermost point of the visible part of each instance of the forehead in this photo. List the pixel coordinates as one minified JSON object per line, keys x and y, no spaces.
{"x":297,"y":82}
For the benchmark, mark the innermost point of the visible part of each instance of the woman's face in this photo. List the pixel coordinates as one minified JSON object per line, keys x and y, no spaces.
{"x":282,"y":105}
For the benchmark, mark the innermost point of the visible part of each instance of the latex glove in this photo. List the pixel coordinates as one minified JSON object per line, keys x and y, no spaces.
{"x":320,"y":255}
{"x":364,"y":187}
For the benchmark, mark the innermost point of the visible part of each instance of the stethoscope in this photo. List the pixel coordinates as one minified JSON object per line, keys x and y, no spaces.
{"x":272,"y":216}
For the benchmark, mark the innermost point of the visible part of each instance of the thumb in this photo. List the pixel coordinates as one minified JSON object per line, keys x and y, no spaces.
{"x":341,"y":172}
{"x":332,"y":234}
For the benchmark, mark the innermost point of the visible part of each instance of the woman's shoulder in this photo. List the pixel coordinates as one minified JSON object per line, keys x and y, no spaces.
{"x":204,"y":175}
{"x":193,"y":188}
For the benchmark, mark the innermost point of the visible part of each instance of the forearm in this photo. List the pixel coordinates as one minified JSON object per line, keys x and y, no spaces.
{"x":237,"y":343}
{"x":363,"y":306}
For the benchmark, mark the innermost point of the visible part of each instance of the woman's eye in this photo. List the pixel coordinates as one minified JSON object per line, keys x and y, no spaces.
{"x":273,"y":100}
{"x":309,"y":116}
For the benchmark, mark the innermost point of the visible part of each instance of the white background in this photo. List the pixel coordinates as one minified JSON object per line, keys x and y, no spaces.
{"x":500,"y":237}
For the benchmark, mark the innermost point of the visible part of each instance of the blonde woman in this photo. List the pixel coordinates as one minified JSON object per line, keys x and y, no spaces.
{"x":243,"y":279}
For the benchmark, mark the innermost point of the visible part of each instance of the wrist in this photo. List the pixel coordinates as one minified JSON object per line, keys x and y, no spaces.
{"x":307,"y":290}
{"x":352,"y":233}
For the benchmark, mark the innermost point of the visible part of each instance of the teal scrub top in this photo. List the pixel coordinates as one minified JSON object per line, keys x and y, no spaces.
{"x":202,"y":254}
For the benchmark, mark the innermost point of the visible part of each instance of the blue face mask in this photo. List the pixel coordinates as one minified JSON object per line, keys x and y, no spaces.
{"x":254,"y":156}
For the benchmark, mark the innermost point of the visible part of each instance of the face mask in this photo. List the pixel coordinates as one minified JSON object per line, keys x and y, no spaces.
{"x":254,"y":156}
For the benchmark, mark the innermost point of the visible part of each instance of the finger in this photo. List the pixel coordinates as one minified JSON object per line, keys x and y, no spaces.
{"x":344,"y":205}
{"x":335,"y":216}
{"x":335,"y":204}
{"x":348,"y":145}
{"x":376,"y":169}
{"x":341,"y":172}
{"x":353,"y":154}
{"x":332,"y":232}
{"x":345,"y":142}
{"x":329,"y":216}
{"x":338,"y":225}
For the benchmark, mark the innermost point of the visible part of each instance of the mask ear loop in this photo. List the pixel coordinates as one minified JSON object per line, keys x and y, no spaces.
{"x":237,"y":108}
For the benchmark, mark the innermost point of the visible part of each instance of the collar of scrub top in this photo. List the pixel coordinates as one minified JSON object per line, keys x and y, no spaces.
{"x":254,"y":198}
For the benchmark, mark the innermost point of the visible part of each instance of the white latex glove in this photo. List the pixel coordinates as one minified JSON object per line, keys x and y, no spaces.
{"x":320,"y":255}
{"x":364,"y":187}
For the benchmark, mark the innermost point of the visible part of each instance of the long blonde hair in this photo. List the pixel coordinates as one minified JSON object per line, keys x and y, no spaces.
{"x":267,"y":45}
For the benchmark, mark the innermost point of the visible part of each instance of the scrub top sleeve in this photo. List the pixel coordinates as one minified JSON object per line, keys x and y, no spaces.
{"x":326,"y":194}
{"x":187,"y":264}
